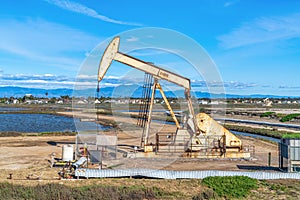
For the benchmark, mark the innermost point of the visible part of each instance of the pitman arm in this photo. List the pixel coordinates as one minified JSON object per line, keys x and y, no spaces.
{"x":112,"y":53}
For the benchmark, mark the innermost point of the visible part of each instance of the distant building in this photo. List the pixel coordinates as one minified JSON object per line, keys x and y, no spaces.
{"x":60,"y":102}
{"x":34,"y":102}
{"x":268,"y":102}
{"x":214,"y":103}
{"x":15,"y":101}
{"x":97,"y":101}
{"x":203,"y":102}
{"x":82,"y":101}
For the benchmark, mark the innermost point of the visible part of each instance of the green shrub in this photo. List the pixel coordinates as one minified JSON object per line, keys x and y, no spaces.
{"x":231,"y":186}
{"x":291,"y":135}
{"x":259,"y":131}
{"x":289,"y":117}
{"x":267,"y":114}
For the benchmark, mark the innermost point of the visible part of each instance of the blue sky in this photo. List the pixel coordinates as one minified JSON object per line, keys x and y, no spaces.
{"x":255,"y":44}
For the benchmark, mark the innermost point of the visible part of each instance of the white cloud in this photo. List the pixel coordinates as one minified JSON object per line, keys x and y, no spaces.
{"x":113,"y":77}
{"x":51,"y":81}
{"x":225,"y":84}
{"x":34,"y":77}
{"x":289,"y":87}
{"x":132,"y":39}
{"x":47,"y":81}
{"x":44,"y":35}
{"x":90,"y":81}
{"x":148,"y":52}
{"x":82,"y":9}
{"x":109,"y":84}
{"x":230,"y":3}
{"x":262,"y":30}
{"x":44,"y":42}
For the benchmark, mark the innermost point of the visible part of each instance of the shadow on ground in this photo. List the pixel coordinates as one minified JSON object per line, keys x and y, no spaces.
{"x":53,"y":143}
{"x":257,"y":168}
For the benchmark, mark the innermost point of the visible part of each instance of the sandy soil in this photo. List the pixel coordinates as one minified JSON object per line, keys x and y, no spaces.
{"x":23,"y":156}
{"x":28,"y":156}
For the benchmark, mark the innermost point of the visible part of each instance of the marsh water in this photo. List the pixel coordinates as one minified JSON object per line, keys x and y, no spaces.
{"x":28,"y":123}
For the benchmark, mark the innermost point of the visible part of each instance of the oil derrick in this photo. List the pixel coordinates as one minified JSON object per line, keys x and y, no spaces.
{"x":144,"y":106}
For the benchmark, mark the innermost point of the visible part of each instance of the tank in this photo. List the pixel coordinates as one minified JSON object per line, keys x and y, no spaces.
{"x":294,"y":148}
{"x":67,"y":152}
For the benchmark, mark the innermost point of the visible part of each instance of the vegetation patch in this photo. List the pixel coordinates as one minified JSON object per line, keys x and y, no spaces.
{"x":16,"y":134}
{"x":267,"y":114}
{"x":289,"y":117}
{"x":56,"y":191}
{"x":277,"y":188}
{"x":291,"y":136}
{"x":231,"y":186}
{"x":207,"y":193}
{"x":259,"y":131}
{"x":66,"y":133}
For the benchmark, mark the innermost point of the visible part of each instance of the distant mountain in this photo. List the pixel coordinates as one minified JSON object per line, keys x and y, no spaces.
{"x":120,"y":91}
{"x":20,"y":92}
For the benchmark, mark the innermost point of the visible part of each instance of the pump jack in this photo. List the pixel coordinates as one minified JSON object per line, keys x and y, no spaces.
{"x":196,"y":127}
